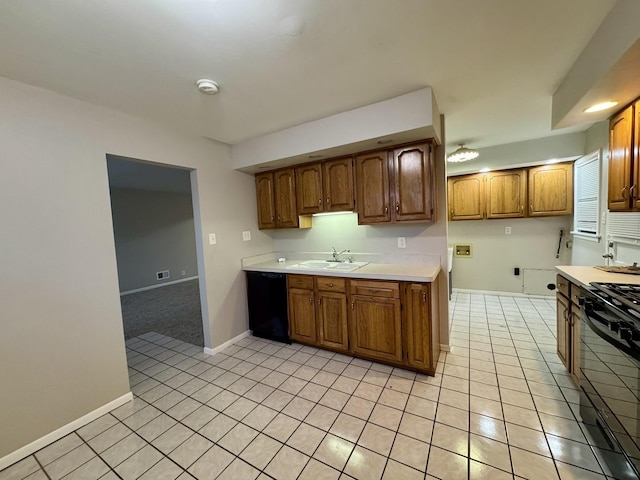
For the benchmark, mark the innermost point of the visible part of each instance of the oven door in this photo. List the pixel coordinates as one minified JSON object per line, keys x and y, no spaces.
{"x":609,"y":381}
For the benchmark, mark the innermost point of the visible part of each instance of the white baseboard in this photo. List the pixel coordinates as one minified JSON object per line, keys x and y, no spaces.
{"x":164,"y":284}
{"x":213,"y":351}
{"x":445,"y":348}
{"x":62,"y":431}
{"x":509,"y":294}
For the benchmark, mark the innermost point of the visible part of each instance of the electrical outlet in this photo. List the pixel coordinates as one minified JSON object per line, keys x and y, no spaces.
{"x":507,"y":230}
{"x":246,"y":236}
{"x":212,"y":239}
{"x":402,"y":242}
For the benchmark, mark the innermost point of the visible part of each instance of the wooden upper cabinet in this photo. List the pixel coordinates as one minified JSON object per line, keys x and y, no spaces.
{"x":620,"y":134}
{"x":337,"y":181}
{"x":413,"y":185}
{"x":551,"y":190}
{"x":635,"y":197}
{"x":309,"y":189}
{"x":285,"y":198}
{"x":506,"y":193}
{"x":466,"y":197}
{"x":372,"y":188}
{"x":266,"y":201}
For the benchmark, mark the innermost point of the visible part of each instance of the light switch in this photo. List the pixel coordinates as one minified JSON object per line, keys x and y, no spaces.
{"x":246,"y":236}
{"x":507,"y":230}
{"x":402,"y":242}
{"x":212,"y":239}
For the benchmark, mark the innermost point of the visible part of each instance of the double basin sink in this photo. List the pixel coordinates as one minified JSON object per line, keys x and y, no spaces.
{"x":326,"y":265}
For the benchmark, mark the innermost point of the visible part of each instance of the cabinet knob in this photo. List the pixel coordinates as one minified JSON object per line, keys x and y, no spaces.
{"x":327,"y":200}
{"x":331,"y":284}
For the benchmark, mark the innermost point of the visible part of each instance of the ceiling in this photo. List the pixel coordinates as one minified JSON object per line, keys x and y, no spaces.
{"x":493,"y":64}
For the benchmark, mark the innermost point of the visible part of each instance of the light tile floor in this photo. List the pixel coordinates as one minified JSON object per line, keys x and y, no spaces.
{"x":500,"y":406}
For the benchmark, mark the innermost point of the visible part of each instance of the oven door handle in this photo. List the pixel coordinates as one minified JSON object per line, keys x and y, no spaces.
{"x":589,"y":316}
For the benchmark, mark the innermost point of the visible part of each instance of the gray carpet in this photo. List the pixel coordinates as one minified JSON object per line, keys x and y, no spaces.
{"x":173,"y":310}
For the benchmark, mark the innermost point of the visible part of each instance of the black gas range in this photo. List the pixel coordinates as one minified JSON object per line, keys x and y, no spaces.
{"x":610,"y":374}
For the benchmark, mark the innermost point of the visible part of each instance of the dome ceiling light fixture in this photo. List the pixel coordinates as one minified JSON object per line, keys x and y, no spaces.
{"x":462,"y":154}
{"x":206,"y":86}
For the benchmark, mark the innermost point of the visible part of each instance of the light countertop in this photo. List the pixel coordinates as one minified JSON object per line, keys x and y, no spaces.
{"x":372,"y":271}
{"x":585,"y":275}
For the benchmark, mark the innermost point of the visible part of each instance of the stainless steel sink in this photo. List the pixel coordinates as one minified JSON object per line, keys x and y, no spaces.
{"x":325,"y":265}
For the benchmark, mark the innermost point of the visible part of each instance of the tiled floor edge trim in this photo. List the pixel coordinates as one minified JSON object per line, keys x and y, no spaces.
{"x":49,"y":438}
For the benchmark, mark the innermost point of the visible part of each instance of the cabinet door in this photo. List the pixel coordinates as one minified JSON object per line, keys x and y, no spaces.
{"x":563,"y":329}
{"x":266,"y":201}
{"x":413,"y":192}
{"x":551,"y":190}
{"x":302,"y":318}
{"x":309,"y":189}
{"x":332,"y":320}
{"x":635,"y":194}
{"x":466,"y":197}
{"x":375,"y":328}
{"x":337,"y":178}
{"x":285,"y":193}
{"x":372,"y":188}
{"x":620,"y":160}
{"x":506,"y":193}
{"x":417,"y":325}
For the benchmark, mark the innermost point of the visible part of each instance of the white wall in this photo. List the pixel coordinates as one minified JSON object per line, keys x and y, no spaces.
{"x":532,"y":244}
{"x":62,"y":345}
{"x":154,"y":231}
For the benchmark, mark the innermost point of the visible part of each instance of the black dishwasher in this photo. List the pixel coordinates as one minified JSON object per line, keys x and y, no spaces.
{"x":267,"y":297}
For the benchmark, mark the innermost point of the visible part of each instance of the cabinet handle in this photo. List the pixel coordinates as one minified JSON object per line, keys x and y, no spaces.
{"x":353,"y":305}
{"x":530,"y":207}
{"x":397,"y":207}
{"x":424,"y":297}
{"x":386,"y":209}
{"x":311,"y":300}
{"x":521,"y":208}
{"x":327,"y":200}
{"x":320,"y":301}
{"x":633,"y":187}
{"x":319,"y":201}
{"x":623,"y":192}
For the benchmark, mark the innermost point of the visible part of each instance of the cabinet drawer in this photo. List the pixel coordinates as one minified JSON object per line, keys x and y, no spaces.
{"x":563,"y":286}
{"x":300,"y":281}
{"x":331,"y":284}
{"x":375,"y":289}
{"x":575,"y":294}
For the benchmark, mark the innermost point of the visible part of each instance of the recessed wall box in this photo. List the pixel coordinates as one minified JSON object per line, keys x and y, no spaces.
{"x":462,"y":250}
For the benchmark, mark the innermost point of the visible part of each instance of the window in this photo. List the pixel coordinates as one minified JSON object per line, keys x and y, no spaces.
{"x":587,"y":197}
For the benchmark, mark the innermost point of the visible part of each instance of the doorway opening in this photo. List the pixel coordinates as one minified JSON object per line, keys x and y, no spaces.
{"x":155,"y":238}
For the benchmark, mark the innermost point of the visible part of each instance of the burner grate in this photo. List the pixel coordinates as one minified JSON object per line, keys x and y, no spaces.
{"x":621,"y":294}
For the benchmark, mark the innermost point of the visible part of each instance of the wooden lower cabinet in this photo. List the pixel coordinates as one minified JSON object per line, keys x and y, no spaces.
{"x":375,"y":328}
{"x":568,"y":326}
{"x":389,"y":322}
{"x":332,"y":320}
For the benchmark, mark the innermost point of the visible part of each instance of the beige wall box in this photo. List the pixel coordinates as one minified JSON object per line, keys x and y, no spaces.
{"x":463,"y":250}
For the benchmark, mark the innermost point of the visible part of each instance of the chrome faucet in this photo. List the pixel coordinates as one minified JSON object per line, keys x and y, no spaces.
{"x":336,"y":254}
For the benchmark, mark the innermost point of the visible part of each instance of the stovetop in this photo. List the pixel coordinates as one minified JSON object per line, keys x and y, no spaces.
{"x":622,"y":296}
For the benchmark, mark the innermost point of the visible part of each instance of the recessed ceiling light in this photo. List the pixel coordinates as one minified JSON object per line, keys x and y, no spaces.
{"x":206,"y":86}
{"x":598,"y":107}
{"x":385,"y":142}
{"x":315,"y":156}
{"x":485,"y":170}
